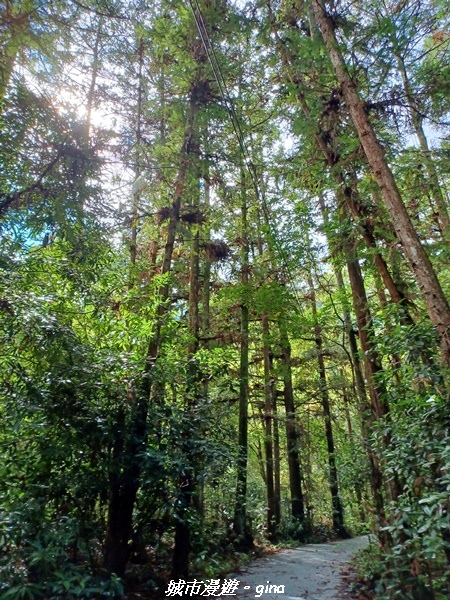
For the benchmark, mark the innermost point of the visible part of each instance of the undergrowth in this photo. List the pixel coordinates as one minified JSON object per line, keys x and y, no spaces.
{"x":392,"y":576}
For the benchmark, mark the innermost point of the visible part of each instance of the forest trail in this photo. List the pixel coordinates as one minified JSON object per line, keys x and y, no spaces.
{"x":311,"y":572}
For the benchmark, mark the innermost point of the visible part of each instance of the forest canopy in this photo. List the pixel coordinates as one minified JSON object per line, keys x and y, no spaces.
{"x":224,"y":290}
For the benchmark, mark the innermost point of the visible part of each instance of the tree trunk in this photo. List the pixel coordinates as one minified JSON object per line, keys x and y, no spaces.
{"x":137,"y":171}
{"x":91,"y":93}
{"x":292,"y":434}
{"x":269,"y":398}
{"x":244,"y":539}
{"x":336,"y":503}
{"x":432,"y":294}
{"x":359,"y":485}
{"x":346,"y":193}
{"x":182,"y":545}
{"x":124,"y":491}
{"x":364,"y":321}
{"x":352,"y":206}
{"x":206,"y":291}
{"x":416,"y":119}
{"x":378,"y":405}
{"x":276,"y":460}
{"x":268,"y":420}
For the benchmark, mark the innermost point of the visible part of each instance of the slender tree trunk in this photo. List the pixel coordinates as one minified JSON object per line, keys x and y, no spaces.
{"x":347,"y":193}
{"x":372,"y":365}
{"x":137,"y":170}
{"x":353,"y":206}
{"x":206,"y":292}
{"x":268,"y":420}
{"x":372,"y":361}
{"x":292,"y":433}
{"x":365,"y":329}
{"x":124,"y":491}
{"x":377,"y":392}
{"x":180,"y":561}
{"x":269,"y":393}
{"x":358,"y":487}
{"x":240,"y":526}
{"x":93,"y":84}
{"x":432,"y":294}
{"x":433,"y":179}
{"x":354,"y":354}
{"x":276,"y":460}
{"x":336,"y":503}
{"x":378,"y":407}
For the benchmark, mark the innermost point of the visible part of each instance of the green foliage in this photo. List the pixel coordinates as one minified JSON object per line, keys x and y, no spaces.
{"x":104,"y":387}
{"x":48,"y":173}
{"x":41,"y":568}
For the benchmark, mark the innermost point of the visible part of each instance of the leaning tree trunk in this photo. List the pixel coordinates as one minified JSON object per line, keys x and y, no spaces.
{"x":364,"y":321}
{"x":347,"y":193}
{"x":420,"y":264}
{"x":433,"y":179}
{"x":378,"y":407}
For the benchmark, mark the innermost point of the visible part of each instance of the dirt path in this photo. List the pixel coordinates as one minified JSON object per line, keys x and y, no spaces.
{"x":311,"y":572}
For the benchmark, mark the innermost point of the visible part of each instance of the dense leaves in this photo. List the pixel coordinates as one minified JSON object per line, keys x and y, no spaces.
{"x":213,"y":328}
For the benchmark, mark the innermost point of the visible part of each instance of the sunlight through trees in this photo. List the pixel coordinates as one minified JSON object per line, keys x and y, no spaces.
{"x":224,"y":290}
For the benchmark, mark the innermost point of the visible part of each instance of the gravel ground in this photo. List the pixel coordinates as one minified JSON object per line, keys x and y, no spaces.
{"x":311,"y":572}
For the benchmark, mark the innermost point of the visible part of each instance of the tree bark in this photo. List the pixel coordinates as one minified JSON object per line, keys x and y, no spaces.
{"x":137,"y":171}
{"x":364,"y":320}
{"x":269,"y":425}
{"x":378,"y":406}
{"x":124,"y":486}
{"x":347,"y":193}
{"x":420,"y":264}
{"x":241,"y":530}
{"x":268,"y":420}
{"x":292,"y":434}
{"x":416,"y":119}
{"x":336,"y":503}
{"x":182,"y":545}
{"x":94,"y":76}
{"x":276,"y":460}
